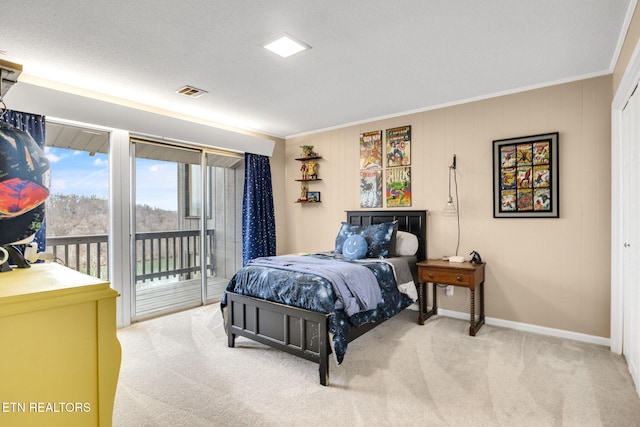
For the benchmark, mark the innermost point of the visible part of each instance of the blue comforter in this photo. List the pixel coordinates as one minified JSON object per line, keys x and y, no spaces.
{"x":355,"y":286}
{"x":303,"y":289}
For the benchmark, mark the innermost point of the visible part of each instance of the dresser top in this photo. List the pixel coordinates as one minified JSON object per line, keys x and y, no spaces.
{"x":50,"y":282}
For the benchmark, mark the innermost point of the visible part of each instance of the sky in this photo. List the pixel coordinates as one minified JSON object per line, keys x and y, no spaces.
{"x":77,"y":172}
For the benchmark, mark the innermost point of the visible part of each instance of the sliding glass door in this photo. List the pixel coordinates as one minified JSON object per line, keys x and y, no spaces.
{"x":185,"y":225}
{"x":166,"y":247}
{"x":224,"y":187}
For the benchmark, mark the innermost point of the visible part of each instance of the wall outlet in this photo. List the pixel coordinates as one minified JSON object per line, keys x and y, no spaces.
{"x":449,"y":290}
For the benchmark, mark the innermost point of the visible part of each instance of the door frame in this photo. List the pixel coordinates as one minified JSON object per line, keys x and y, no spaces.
{"x":625,"y":89}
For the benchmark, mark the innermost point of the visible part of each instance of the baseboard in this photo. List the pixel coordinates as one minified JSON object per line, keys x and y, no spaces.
{"x":531,"y":328}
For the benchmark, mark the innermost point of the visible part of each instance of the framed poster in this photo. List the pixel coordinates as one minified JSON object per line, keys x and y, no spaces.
{"x":398,"y":146}
{"x":525,"y":177}
{"x":371,"y":188}
{"x":398,"y":185}
{"x":371,"y":150}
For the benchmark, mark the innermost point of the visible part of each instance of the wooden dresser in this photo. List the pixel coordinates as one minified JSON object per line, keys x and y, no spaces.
{"x":60,"y":356}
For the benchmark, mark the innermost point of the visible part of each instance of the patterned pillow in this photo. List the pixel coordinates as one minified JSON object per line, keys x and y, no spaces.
{"x":379,"y":238}
{"x":346,"y":230}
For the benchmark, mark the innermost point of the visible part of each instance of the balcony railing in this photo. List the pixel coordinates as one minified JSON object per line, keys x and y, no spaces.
{"x":87,"y":254}
{"x":164,"y":254}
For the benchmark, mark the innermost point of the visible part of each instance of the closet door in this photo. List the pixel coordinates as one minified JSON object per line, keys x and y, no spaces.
{"x":631,"y":236}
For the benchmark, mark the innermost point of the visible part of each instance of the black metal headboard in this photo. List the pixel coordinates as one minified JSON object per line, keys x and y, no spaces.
{"x":414,"y":222}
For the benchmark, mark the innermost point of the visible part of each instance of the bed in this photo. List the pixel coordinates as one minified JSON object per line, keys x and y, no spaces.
{"x":309,"y":329}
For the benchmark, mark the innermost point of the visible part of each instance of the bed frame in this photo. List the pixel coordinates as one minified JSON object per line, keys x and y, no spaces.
{"x":301,"y":332}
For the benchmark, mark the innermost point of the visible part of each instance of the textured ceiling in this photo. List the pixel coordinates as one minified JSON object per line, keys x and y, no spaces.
{"x":369,"y":58}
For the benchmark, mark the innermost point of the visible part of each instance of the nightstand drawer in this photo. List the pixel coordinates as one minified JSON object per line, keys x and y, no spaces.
{"x":445,"y":277}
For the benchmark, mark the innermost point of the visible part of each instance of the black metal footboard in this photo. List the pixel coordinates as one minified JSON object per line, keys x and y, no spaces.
{"x":300,"y":332}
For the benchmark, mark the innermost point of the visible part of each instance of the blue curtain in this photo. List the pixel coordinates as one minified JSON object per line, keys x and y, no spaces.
{"x":34,"y":125}
{"x":258,"y":219}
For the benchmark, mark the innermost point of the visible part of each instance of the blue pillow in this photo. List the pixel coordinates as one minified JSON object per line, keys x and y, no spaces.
{"x":379,"y":238}
{"x":355,"y":247}
{"x":345,"y":231}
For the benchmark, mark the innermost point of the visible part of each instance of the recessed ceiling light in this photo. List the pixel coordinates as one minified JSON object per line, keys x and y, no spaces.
{"x":286,"y":45}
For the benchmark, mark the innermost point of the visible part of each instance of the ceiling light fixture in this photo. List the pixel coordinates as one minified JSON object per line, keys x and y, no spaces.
{"x":286,"y":45}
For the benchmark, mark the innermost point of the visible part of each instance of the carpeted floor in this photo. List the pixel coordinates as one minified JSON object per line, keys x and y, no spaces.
{"x":178,"y":371}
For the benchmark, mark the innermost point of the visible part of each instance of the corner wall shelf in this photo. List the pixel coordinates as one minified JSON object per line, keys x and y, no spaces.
{"x":309,"y":169}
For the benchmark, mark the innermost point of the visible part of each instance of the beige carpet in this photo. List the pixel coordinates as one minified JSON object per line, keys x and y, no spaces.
{"x":178,"y":371}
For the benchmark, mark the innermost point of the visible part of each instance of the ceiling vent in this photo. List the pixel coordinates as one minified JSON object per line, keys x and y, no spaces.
{"x":191,"y":92}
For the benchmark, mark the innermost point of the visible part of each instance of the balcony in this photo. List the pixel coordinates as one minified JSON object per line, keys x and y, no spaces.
{"x":87,"y":254}
{"x":167,"y":271}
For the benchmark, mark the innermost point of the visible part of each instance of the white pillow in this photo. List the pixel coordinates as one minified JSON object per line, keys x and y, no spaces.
{"x":406,"y":243}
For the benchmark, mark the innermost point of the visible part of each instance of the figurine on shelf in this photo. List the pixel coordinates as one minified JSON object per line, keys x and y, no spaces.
{"x":312,"y":171}
{"x":303,"y":193}
{"x":303,"y":169}
{"x":307,"y":150}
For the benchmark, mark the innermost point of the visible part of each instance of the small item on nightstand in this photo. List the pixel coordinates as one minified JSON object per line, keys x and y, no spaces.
{"x":475,"y":258}
{"x":456,"y":259}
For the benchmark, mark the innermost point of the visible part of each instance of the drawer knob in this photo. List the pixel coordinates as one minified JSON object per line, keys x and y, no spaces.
{"x":459,"y":278}
{"x":430,"y":275}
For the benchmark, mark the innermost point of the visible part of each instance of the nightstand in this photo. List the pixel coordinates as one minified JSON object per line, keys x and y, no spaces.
{"x":451,"y":273}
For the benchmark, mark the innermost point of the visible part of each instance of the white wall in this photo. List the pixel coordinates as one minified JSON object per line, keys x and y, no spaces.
{"x":115,"y":113}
